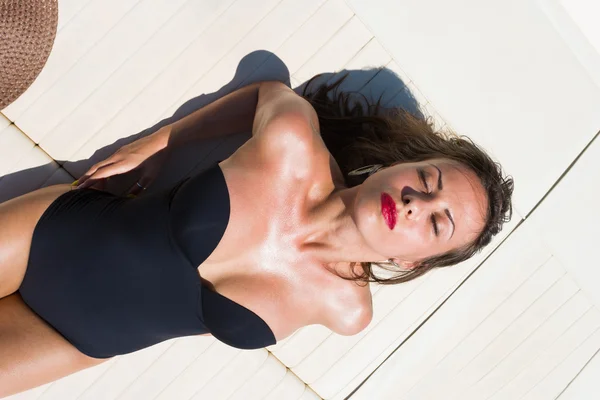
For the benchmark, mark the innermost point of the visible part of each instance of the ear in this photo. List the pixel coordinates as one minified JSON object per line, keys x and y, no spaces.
{"x":405,"y":265}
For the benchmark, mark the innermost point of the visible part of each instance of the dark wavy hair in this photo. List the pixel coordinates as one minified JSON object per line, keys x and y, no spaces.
{"x":358,"y":132}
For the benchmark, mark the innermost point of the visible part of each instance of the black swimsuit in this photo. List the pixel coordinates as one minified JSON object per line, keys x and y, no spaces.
{"x":114,"y":275}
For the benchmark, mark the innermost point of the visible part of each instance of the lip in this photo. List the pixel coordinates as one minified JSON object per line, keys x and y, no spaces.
{"x":388,"y":210}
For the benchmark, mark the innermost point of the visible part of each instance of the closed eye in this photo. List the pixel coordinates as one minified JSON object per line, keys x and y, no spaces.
{"x":436,"y":230}
{"x":423,"y":179}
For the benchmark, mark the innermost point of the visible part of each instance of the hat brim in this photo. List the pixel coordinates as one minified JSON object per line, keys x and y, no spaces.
{"x":27,"y":33}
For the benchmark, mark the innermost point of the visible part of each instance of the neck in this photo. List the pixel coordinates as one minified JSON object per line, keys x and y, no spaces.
{"x":332,"y":236}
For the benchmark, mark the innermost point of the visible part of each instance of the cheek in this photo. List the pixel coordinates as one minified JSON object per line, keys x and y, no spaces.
{"x":365,"y":216}
{"x":409,"y":243}
{"x":414,"y":242}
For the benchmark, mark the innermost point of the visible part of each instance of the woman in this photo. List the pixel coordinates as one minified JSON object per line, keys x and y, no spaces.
{"x":278,"y":236}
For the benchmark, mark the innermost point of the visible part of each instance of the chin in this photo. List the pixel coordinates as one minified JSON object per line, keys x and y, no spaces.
{"x":370,"y":226}
{"x":367,"y":214}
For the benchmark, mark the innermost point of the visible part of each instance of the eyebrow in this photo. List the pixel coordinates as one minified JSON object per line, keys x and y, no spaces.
{"x":451,"y":221}
{"x":440,"y":184}
{"x":440,"y":187}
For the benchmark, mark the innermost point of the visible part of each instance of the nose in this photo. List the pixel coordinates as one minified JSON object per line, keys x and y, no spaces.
{"x":415,"y":207}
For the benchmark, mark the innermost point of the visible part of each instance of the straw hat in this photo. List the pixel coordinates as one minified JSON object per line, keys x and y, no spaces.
{"x":27,"y":31}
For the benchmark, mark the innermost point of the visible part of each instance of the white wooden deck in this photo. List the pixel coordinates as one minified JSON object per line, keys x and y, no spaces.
{"x":520,"y":77}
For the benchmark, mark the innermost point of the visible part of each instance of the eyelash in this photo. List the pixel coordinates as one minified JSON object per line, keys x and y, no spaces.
{"x":435,"y":226}
{"x":423,"y":179}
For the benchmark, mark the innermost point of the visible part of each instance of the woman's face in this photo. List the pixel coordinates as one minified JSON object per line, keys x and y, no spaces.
{"x":412,"y":211}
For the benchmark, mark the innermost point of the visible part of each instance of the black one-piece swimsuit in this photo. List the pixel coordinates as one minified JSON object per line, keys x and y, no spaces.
{"x":114,"y":275}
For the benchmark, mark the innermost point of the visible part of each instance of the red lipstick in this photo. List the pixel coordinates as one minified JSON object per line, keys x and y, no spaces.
{"x":388,"y":210}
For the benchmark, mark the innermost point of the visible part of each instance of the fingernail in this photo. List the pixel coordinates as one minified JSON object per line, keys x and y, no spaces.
{"x":75,"y":183}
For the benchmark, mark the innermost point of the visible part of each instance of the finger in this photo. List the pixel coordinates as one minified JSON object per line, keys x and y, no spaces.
{"x":139,"y":186}
{"x":99,"y":185}
{"x":88,"y":183}
{"x":91,"y":181}
{"x":94,"y":169}
{"x":94,"y":183}
{"x":104,"y":173}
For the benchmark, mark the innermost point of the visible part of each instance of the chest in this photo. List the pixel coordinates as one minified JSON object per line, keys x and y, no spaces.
{"x":259,"y":262}
{"x":268,"y":220}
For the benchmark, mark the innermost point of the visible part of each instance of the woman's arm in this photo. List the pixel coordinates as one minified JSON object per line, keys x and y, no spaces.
{"x":233,"y":113}
{"x":250,"y":108}
{"x":271,"y":110}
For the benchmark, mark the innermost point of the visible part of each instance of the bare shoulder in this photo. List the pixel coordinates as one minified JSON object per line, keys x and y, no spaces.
{"x":286,"y":125}
{"x":345,"y":309}
{"x":350,"y":309}
{"x":296,"y":138}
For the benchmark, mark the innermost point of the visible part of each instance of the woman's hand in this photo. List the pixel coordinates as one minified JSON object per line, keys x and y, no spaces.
{"x":145,"y":153}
